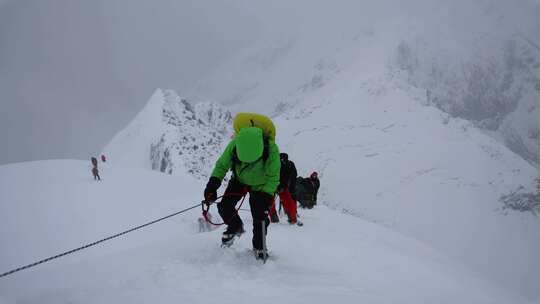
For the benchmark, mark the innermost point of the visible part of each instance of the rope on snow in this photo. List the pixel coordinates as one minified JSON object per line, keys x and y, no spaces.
{"x":94,"y":243}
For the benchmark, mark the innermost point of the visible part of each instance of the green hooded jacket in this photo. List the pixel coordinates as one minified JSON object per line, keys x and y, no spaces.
{"x":259,"y":174}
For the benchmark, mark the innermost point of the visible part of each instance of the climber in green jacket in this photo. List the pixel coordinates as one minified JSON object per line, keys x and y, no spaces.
{"x":253,"y":158}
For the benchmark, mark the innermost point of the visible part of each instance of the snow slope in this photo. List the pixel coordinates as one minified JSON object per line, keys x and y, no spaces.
{"x":346,"y":106}
{"x":50,"y":206}
{"x":386,"y":157}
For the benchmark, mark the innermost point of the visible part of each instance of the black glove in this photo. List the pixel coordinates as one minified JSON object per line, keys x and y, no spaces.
{"x":210,"y":192}
{"x":280,"y":188}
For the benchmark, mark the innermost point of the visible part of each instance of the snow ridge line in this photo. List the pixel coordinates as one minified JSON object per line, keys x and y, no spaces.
{"x":95,"y":243}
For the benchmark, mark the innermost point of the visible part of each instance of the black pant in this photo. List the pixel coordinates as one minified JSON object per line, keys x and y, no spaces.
{"x":258,"y":203}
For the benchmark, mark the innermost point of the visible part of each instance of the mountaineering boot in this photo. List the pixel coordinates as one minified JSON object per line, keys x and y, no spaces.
{"x":297,"y":222}
{"x":274,"y":218}
{"x":227,"y":239}
{"x":260,"y":254}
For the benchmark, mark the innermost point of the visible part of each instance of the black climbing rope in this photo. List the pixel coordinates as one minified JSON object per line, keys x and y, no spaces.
{"x":95,"y":243}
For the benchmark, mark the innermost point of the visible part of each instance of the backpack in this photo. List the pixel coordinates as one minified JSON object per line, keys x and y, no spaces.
{"x":305,"y":192}
{"x":246,"y":120}
{"x":236,"y":160}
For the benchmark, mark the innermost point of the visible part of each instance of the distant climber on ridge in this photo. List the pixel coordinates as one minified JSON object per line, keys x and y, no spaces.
{"x":95,"y":171}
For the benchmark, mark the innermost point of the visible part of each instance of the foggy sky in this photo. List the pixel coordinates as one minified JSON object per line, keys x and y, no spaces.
{"x":73,"y":73}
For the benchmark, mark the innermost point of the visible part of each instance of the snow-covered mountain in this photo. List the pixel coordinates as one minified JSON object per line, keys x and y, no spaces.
{"x":385,"y":156}
{"x":499,"y":92}
{"x":51,"y":206}
{"x":411,"y":113}
{"x":471,"y":58}
{"x":409,"y":119}
{"x":172,"y":135}
{"x":360,"y":107}
{"x":420,"y":117}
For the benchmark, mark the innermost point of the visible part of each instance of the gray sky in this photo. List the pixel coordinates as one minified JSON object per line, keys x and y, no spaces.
{"x":72,"y":73}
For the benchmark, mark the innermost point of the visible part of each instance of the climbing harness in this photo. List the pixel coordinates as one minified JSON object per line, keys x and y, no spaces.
{"x":205,"y":206}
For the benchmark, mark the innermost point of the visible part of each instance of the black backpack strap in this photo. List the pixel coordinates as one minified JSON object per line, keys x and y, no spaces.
{"x":266,"y":149}
{"x":235,"y":161}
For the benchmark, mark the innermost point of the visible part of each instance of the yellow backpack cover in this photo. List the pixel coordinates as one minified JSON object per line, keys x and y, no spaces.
{"x":246,"y":120}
